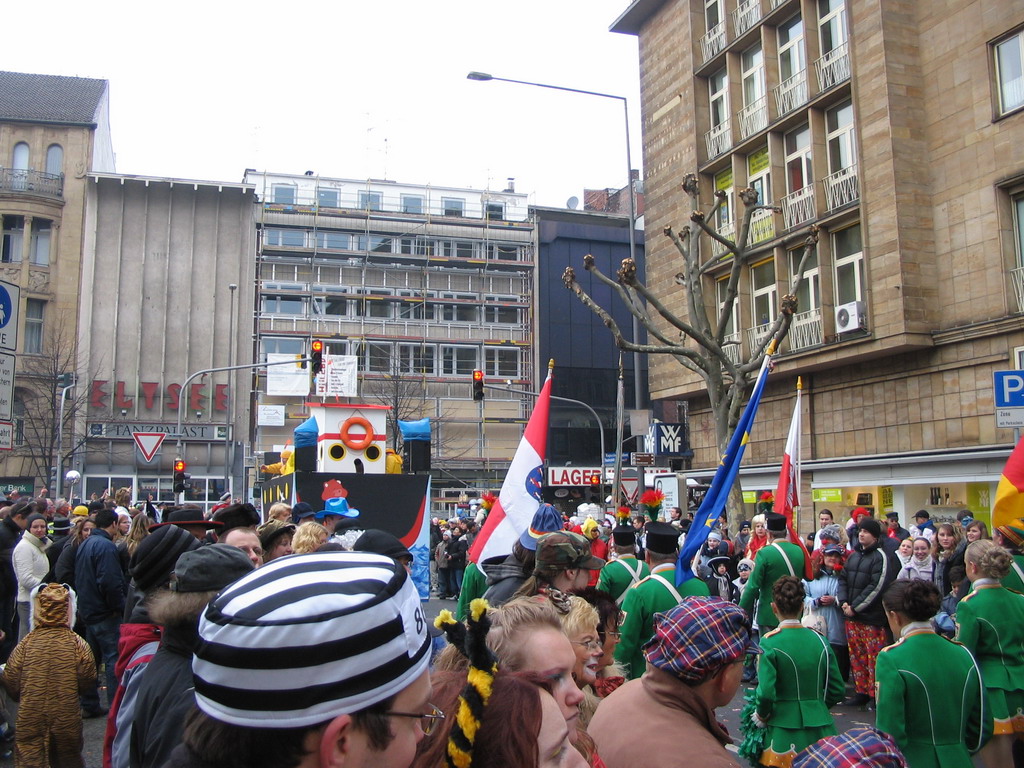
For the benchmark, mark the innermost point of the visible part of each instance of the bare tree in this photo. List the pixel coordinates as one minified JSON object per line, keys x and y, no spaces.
{"x":40,"y":379}
{"x":699,"y":342}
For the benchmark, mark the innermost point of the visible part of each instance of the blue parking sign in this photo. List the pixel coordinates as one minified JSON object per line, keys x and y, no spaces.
{"x":1009,"y":389}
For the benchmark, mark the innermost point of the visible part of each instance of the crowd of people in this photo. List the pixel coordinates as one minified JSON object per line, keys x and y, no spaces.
{"x":296,"y":637}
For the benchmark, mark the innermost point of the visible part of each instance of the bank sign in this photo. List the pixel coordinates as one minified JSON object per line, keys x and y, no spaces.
{"x":575,"y":475}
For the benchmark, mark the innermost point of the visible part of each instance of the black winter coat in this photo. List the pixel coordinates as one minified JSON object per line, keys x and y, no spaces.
{"x":10,"y":535}
{"x":864,"y":579}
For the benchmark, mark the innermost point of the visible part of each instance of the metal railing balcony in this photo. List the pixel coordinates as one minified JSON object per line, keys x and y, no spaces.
{"x":727,"y":231}
{"x":26,"y":182}
{"x":746,"y":15}
{"x":834,"y":67}
{"x":806,"y":330}
{"x":713,"y":41}
{"x":841,"y":188}
{"x":777,"y":3}
{"x":733,"y":346}
{"x":1017,"y":277}
{"x":754,"y":117}
{"x":791,"y":93}
{"x":755,"y":334}
{"x":719,"y":140}
{"x":762,"y":226}
{"x":798,"y":207}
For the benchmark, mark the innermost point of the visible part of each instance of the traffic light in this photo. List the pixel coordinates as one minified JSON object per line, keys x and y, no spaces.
{"x":317,"y":356}
{"x":65,"y":380}
{"x":478,"y":385}
{"x":595,"y":480}
{"x":180,"y":476}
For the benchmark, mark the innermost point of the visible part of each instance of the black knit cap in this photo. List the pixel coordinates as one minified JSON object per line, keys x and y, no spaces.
{"x":237,"y":516}
{"x":154,"y":558}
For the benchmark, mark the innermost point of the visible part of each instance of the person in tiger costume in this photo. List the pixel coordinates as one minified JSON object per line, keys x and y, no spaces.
{"x":45,"y":673}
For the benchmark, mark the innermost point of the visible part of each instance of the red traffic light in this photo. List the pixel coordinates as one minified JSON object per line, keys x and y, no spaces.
{"x":478,"y":385}
{"x":595,"y":480}
{"x":317,"y":346}
{"x":180,"y":465}
{"x":478,"y":375}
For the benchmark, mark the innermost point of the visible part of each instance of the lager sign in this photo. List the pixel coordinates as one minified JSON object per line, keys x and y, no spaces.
{"x":574,"y":475}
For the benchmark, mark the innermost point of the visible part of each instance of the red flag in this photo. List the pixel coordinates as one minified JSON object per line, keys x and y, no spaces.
{"x":520,"y":492}
{"x":787,"y":494}
{"x":1009,"y":503}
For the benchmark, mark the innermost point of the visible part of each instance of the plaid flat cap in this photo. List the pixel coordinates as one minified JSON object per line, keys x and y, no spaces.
{"x":860,"y":747}
{"x":698,"y":637}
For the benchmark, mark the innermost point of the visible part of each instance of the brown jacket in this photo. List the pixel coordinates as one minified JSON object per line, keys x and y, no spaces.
{"x":658,"y":720}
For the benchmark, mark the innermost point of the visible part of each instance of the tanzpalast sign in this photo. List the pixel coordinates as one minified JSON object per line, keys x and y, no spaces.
{"x":574,"y":475}
{"x":150,"y":393}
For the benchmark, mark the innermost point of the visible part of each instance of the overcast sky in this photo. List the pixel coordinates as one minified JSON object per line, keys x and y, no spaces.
{"x":204,"y":90}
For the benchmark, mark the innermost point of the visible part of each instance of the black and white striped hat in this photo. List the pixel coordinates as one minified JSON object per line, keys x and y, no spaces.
{"x":306,"y":638}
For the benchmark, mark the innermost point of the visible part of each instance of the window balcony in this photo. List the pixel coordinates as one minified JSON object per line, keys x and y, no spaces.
{"x":754,"y":117}
{"x":1017,"y":277}
{"x":727,"y":231}
{"x":746,"y":15}
{"x":732,"y":345}
{"x":756,"y":334}
{"x":791,"y":93}
{"x":841,"y":188}
{"x":719,"y":140}
{"x":834,"y":67}
{"x":25,"y":182}
{"x":762,"y":226}
{"x":713,"y":42}
{"x":806,"y":330}
{"x":777,"y":3}
{"x":798,"y":207}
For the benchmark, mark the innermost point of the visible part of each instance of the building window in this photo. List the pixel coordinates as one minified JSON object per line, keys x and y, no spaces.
{"x":18,"y":412}
{"x":723,"y":183}
{"x":759,"y":175}
{"x":808,"y":295}
{"x":494,"y":211}
{"x":1009,"y":56}
{"x":733,"y":320}
{"x":502,"y":362}
{"x":798,"y":159}
{"x":19,"y":158}
{"x":374,"y":243}
{"x":753,"y":75}
{"x":55,"y":160}
{"x":461,"y":249}
{"x":505,"y":252}
{"x":376,"y":307}
{"x":412,"y":204}
{"x":718,"y":97}
{"x":831,"y":24}
{"x":460,"y":313}
{"x":841,"y":147}
{"x":417,"y":246}
{"x":13,"y":238}
{"x":277,"y":304}
{"x":453,"y":206}
{"x":327,"y":198}
{"x":500,"y":313}
{"x":848,"y":256}
{"x":284,"y":194}
{"x":712,"y":14}
{"x":283,"y":345}
{"x":417,"y":358}
{"x":39,"y":246}
{"x":378,"y":357}
{"x":333,"y":241}
{"x":791,"y":49}
{"x":370,"y":201}
{"x":1018,"y":227}
{"x":291,"y":238}
{"x":33,"y":326}
{"x":764,"y":293}
{"x":458,"y":361}
{"x":331,"y":306}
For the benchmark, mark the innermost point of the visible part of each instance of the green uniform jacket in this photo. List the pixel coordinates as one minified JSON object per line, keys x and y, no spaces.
{"x":990,"y":623}
{"x":644,"y":600}
{"x":1013,"y":579}
{"x":798,"y":679}
{"x":769,"y":567}
{"x":931,"y":701}
{"x":474,"y":584}
{"x":615,"y":577}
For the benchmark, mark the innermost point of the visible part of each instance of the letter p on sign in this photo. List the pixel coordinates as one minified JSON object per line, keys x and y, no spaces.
{"x":1009,"y":389}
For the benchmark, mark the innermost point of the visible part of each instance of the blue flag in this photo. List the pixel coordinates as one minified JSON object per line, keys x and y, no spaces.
{"x":714,"y":500}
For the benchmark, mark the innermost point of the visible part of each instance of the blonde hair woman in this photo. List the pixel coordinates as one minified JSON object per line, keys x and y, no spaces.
{"x":308,"y":538}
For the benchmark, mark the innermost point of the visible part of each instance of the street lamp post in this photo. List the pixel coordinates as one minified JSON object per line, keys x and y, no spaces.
{"x":485,"y":77}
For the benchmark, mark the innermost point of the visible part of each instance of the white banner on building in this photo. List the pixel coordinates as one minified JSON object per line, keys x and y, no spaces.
{"x":270,"y":416}
{"x":339,"y":376}
{"x":286,"y":380}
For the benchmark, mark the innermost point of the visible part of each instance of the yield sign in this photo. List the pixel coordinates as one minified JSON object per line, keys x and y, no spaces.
{"x":629,"y":486}
{"x":149,"y":443}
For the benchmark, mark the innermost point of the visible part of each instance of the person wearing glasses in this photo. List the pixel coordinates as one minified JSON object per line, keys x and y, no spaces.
{"x":314,"y":661}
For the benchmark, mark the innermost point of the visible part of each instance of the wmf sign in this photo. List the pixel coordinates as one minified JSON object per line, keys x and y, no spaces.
{"x":667,"y":440}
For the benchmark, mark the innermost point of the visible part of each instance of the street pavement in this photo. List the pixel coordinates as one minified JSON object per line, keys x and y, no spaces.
{"x":845,"y":717}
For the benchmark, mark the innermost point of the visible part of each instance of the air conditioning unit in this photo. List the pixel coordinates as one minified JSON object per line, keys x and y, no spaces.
{"x":851,"y":317}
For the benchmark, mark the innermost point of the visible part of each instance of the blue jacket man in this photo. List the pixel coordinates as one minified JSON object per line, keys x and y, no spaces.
{"x":101,"y":593}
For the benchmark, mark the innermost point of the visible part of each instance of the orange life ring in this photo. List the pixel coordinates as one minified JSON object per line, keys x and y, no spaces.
{"x":355,"y":444}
